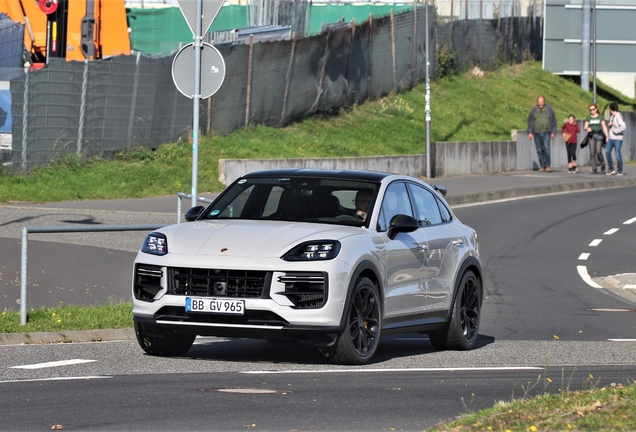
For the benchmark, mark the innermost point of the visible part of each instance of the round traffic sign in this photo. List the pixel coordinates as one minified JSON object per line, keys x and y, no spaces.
{"x":212,"y":70}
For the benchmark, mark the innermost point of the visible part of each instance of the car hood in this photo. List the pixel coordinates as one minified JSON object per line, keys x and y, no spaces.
{"x":244,"y":238}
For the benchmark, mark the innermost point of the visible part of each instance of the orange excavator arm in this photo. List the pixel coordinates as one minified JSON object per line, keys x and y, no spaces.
{"x":71,"y":29}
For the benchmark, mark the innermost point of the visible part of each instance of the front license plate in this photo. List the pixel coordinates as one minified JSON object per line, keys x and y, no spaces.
{"x":215,"y":305}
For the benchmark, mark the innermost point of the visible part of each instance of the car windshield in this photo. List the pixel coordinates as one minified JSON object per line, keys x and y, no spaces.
{"x":319,"y":200}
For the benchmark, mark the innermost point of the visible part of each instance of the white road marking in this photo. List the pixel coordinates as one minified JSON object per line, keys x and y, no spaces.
{"x":52,"y":364}
{"x":630,"y":221}
{"x":394,"y":370}
{"x":610,"y":232}
{"x":55,"y":379}
{"x":586,"y":277}
{"x":584,"y":256}
{"x":596,"y":242}
{"x":629,"y":286}
{"x":622,"y":340}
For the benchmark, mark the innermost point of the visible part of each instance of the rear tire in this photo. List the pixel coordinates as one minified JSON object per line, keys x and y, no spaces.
{"x":167,"y":345}
{"x":460,"y":333}
{"x":361,"y":334}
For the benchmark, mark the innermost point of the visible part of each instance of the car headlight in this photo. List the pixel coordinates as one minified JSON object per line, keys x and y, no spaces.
{"x":155,"y":244}
{"x":314,"y":251}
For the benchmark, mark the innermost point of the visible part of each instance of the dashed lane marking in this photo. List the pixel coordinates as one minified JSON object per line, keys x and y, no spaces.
{"x":56,"y":379}
{"x":584,"y":256}
{"x":610,"y":232}
{"x":52,"y":364}
{"x":630,"y":221}
{"x":596,"y":242}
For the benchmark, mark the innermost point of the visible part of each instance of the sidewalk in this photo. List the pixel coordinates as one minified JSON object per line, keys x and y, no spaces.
{"x":461,"y":190}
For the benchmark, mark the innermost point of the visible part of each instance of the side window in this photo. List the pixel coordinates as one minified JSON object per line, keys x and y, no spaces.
{"x":426,"y":208}
{"x":446,"y":215}
{"x":396,"y":201}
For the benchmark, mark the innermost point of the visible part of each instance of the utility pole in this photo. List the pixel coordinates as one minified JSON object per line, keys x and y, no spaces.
{"x":594,"y":48}
{"x":427,"y":108}
{"x":585,"y":46}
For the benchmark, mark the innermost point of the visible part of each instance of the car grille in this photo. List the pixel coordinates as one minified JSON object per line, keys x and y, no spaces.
{"x":218,"y":283}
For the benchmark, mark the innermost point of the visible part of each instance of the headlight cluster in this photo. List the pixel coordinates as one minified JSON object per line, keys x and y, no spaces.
{"x":314,"y":251}
{"x":155,"y":244}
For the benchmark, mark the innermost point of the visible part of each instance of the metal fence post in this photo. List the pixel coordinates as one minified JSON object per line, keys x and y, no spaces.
{"x":393,"y":52}
{"x":249,"y":82}
{"x":25,"y":121}
{"x":80,"y":131}
{"x":288,"y":79}
{"x":131,"y":118}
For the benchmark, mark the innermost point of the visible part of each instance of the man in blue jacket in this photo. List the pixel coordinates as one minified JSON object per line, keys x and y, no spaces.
{"x":542,"y":127}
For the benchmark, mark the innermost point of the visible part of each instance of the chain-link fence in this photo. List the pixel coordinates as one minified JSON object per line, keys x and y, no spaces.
{"x":102,"y":107}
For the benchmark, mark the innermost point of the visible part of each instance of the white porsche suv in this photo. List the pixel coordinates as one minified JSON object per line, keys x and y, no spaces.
{"x":336,"y":257}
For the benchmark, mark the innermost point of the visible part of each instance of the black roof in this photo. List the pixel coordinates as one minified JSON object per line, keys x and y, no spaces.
{"x":373,"y":176}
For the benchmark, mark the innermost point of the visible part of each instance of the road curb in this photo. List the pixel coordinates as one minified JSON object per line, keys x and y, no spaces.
{"x":68,"y":336}
{"x":539,"y":190}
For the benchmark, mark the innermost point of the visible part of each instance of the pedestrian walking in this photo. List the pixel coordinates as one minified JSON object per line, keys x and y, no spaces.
{"x":595,"y":124}
{"x":570,"y":131}
{"x":616,"y":127}
{"x":542,"y":127}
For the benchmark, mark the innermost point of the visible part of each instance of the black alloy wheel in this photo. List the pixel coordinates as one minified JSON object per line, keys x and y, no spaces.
{"x":359,"y":340}
{"x":461,"y":332}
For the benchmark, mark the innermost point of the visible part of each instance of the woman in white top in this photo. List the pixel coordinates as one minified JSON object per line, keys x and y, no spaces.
{"x":616,"y":128}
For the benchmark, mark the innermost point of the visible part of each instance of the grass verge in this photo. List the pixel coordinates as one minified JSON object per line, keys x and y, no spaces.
{"x":69,"y":317}
{"x":605,"y":409}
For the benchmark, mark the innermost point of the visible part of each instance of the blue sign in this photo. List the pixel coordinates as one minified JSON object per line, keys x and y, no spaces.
{"x":5,"y":109}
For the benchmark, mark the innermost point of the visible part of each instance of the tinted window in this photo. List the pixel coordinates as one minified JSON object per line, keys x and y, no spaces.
{"x":446,"y":214}
{"x":426,"y":208}
{"x":396,"y":201}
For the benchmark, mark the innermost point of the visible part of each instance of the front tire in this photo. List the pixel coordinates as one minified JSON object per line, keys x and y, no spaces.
{"x":361,"y":334}
{"x":460,"y":333}
{"x":166,"y":345}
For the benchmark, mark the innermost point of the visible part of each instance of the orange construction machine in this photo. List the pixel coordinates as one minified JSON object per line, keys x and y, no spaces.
{"x":71,"y":29}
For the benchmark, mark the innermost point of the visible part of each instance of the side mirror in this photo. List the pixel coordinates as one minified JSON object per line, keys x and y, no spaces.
{"x":440,"y":189}
{"x":401,"y":223}
{"x":193,"y":213}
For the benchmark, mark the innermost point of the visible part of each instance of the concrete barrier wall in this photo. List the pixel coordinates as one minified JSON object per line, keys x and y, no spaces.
{"x":449,"y":158}
{"x":413,"y":165}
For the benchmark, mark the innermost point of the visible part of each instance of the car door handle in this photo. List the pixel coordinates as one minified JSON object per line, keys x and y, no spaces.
{"x":457,"y":242}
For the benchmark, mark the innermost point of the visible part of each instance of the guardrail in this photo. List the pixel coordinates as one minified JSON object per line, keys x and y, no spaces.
{"x":62,"y":229}
{"x":24,"y":259}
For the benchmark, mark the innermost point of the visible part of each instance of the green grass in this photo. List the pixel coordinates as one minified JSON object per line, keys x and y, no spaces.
{"x":69,"y":317}
{"x":464,"y":108}
{"x":605,"y":409}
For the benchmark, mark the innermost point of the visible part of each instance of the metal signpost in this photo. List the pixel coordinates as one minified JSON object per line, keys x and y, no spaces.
{"x":199,"y":15}
{"x":427,"y":107}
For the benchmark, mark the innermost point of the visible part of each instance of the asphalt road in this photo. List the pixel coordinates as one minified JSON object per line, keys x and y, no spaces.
{"x":544,"y":328}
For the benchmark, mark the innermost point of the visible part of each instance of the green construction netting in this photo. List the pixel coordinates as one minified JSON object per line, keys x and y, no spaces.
{"x":164,"y":30}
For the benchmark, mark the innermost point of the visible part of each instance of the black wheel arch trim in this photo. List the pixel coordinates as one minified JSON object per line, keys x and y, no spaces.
{"x":471,"y":261}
